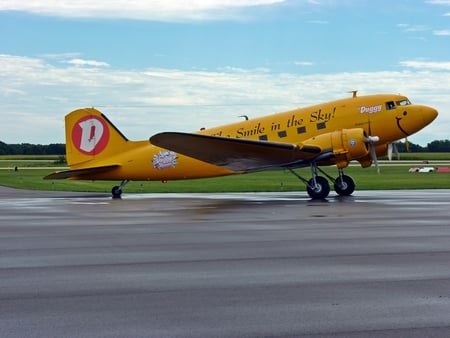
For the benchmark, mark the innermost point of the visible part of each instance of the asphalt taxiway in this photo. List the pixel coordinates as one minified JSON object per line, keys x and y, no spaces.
{"x":224,"y":265}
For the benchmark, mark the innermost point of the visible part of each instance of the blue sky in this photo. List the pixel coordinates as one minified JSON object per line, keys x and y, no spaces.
{"x":154,"y":66}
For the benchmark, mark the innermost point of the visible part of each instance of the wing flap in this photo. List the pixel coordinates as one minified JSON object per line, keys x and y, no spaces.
{"x":80,"y":172}
{"x":233,"y":153}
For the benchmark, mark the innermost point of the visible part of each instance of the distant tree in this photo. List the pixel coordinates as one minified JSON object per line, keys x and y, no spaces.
{"x":56,"y":149}
{"x":442,"y":146}
{"x":32,"y":149}
{"x":3,"y":148}
{"x":404,"y":147}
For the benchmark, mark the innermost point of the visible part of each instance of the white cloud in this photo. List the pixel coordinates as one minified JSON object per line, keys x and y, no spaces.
{"x":412,"y":28}
{"x":444,"y":32}
{"x":60,"y":56}
{"x":304,"y":63}
{"x":318,"y":22}
{"x":439,"y":2}
{"x":426,"y":65}
{"x":35,"y":96}
{"x":136,"y":9}
{"x":81,"y":62}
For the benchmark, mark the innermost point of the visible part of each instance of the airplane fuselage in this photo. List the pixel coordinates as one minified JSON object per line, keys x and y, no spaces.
{"x":332,"y":133}
{"x":390,"y":117}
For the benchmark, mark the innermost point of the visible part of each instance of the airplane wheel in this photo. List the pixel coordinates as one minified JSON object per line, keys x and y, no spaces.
{"x":344,"y":187}
{"x":116,"y":192}
{"x":321,"y":190}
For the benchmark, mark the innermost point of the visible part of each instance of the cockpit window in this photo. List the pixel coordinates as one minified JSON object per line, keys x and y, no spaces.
{"x":404,"y":102}
{"x":390,"y":105}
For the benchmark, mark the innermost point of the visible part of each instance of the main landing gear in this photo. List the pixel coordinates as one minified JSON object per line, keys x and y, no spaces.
{"x":117,"y":190}
{"x":318,"y":186}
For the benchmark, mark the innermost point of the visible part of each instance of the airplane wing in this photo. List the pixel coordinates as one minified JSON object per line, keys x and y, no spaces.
{"x":234,"y":153}
{"x":80,"y":172}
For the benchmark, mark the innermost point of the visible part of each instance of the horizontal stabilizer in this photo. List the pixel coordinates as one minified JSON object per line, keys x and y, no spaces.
{"x":80,"y":172}
{"x":234,"y":153}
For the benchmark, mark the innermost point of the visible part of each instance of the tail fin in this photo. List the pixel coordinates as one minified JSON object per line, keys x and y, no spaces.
{"x":90,"y":135}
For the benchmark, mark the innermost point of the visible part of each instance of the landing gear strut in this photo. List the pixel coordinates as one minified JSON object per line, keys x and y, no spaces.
{"x":117,"y":190}
{"x":318,"y":186}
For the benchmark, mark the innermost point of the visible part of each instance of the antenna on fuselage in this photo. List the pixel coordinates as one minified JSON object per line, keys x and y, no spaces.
{"x":354,"y":92}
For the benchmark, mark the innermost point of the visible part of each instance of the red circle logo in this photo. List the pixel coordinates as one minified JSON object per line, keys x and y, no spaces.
{"x":90,"y":135}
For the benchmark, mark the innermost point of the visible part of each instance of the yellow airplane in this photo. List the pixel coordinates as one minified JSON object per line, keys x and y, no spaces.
{"x":358,"y":128}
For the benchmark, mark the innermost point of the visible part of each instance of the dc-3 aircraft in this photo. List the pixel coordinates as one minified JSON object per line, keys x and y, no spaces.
{"x":358,"y":128}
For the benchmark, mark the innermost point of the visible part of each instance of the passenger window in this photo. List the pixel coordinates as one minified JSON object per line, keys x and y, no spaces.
{"x":390,"y":105}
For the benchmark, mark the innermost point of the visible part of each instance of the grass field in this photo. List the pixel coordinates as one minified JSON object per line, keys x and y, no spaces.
{"x":393,"y":175}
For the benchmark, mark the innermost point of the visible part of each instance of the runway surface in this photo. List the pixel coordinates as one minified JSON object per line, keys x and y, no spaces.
{"x":224,"y":265}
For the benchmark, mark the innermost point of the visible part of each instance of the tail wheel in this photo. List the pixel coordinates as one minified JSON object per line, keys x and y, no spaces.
{"x":116,"y":192}
{"x":320,"y":189}
{"x":344,"y":185}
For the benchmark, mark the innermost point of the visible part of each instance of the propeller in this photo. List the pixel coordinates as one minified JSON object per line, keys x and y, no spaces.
{"x":371,"y":140}
{"x":392,"y":147}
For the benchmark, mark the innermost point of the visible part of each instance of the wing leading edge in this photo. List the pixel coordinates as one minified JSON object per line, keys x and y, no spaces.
{"x":233,"y":153}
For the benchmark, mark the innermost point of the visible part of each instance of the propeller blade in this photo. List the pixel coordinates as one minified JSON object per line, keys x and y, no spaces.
{"x":370,"y":140}
{"x":390,"y":146}
{"x":396,"y":151}
{"x":373,"y":153}
{"x":393,"y":148}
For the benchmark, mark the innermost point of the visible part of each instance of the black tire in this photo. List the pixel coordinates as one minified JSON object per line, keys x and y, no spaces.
{"x":344,"y":187}
{"x":321,"y":190}
{"x":116,"y":192}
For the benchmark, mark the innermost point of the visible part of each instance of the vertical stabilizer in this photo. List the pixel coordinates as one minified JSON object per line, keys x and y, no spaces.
{"x":91,"y":136}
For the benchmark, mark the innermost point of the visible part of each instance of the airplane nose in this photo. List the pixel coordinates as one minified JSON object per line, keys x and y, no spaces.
{"x":429,"y":114}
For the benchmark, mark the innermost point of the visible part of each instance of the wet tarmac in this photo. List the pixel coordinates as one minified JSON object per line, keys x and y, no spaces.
{"x":224,"y":265}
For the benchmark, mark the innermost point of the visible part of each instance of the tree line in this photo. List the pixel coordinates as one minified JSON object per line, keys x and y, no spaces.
{"x":442,"y":146}
{"x":32,"y":149}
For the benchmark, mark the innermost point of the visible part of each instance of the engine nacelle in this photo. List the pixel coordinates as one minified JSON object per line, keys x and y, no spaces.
{"x":346,"y":145}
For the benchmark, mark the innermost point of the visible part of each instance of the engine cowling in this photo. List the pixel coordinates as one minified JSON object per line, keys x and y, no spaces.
{"x":346,"y":145}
